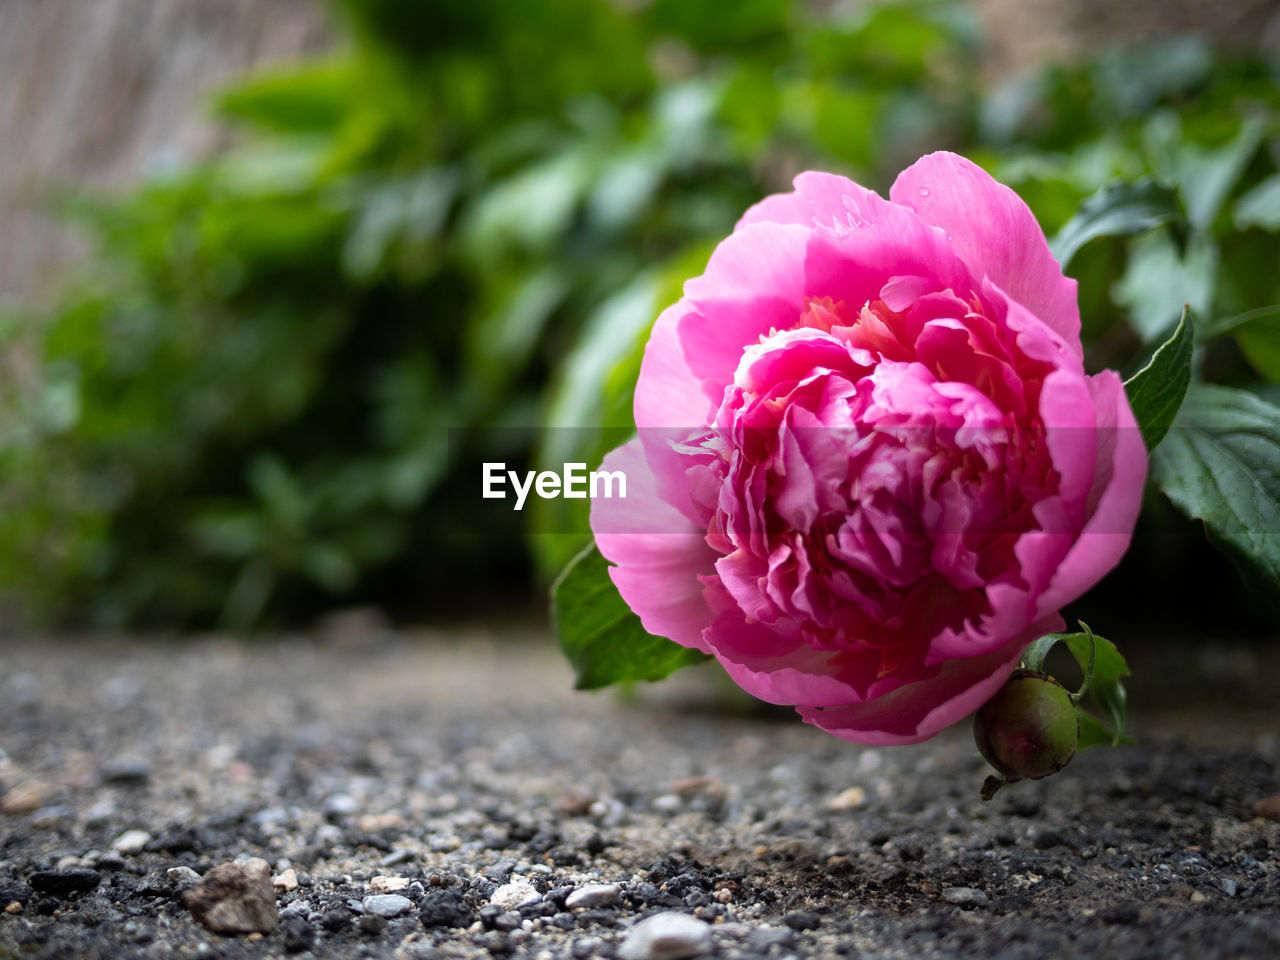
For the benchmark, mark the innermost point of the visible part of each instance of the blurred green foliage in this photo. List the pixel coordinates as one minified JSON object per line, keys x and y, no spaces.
{"x":466,"y":219}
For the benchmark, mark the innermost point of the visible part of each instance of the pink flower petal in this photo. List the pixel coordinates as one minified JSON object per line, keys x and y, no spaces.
{"x":817,"y":201}
{"x":754,"y":283}
{"x":771,"y":668}
{"x":994,"y":232}
{"x":916,"y":711}
{"x":1114,"y":501}
{"x":668,"y":394}
{"x":658,"y":553}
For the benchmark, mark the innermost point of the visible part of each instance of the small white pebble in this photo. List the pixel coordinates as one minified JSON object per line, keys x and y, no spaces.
{"x":131,"y":842}
{"x":666,"y":936}
{"x":850,"y":799}
{"x":287,"y":880}
{"x":513,"y":896}
{"x":388,"y":884}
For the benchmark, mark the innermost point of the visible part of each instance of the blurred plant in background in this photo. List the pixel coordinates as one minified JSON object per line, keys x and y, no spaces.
{"x":467,"y":219}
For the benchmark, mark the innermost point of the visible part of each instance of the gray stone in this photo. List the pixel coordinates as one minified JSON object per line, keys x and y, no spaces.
{"x":394,"y":857}
{"x":342,"y":805}
{"x":764,"y":938}
{"x":23,"y":689}
{"x":100,"y":812}
{"x":964,"y":896}
{"x":127,"y":770}
{"x":299,"y":908}
{"x":594,"y":895}
{"x":666,"y":936}
{"x":387,"y":905}
{"x":235,"y":897}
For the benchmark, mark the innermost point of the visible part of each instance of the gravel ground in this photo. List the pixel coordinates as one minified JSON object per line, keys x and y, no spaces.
{"x":431,"y":796}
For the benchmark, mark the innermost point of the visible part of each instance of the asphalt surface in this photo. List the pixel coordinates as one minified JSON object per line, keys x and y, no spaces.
{"x":447,"y":794}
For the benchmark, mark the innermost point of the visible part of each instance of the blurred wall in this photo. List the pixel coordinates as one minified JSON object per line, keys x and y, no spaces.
{"x":1023,"y":32}
{"x":95,"y":92}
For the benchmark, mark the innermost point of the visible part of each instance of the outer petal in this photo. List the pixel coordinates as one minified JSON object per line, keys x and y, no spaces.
{"x":764,"y":275}
{"x":659,"y":553}
{"x":916,"y":711}
{"x":818,"y":200}
{"x":754,"y":283}
{"x":994,"y":232}
{"x":771,"y":668}
{"x":1115,"y":500}
{"x":667,"y":393}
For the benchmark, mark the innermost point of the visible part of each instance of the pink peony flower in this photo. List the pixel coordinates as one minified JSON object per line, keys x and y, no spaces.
{"x":870,"y":467}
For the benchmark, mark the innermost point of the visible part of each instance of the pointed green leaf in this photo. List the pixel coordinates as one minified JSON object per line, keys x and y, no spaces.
{"x":1259,"y":341}
{"x":1204,"y":175}
{"x":1109,"y":668}
{"x":1260,"y":207}
{"x":1095,"y":733}
{"x":1119,"y":209}
{"x":602,"y":638}
{"x":1037,"y":650}
{"x":1257,"y":333}
{"x":1160,"y":278}
{"x":1221,"y":464}
{"x":1232,"y":325}
{"x":1156,"y":391}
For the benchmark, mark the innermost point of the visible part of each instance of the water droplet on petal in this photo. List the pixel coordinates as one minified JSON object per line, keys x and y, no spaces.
{"x":924,"y":191}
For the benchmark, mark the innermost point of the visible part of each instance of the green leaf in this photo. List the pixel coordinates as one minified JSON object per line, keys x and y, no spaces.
{"x":1260,"y":207}
{"x":1033,"y":657}
{"x":1257,"y":332}
{"x":1105,"y":690}
{"x":589,"y":403}
{"x":602,"y":638}
{"x":588,"y":410}
{"x":1109,"y":667}
{"x":1156,"y":391}
{"x":1130,"y":80}
{"x":1231,"y":325}
{"x":313,"y":98}
{"x":1159,"y":281}
{"x":1205,"y":176}
{"x":248,"y":596}
{"x":329,"y":567}
{"x":1221,"y":464}
{"x":1095,"y":733}
{"x":529,"y":211}
{"x":1119,"y":209}
{"x":1259,"y":341}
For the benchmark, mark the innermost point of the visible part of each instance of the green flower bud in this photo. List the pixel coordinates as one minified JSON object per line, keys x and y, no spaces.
{"x":1029,"y":729}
